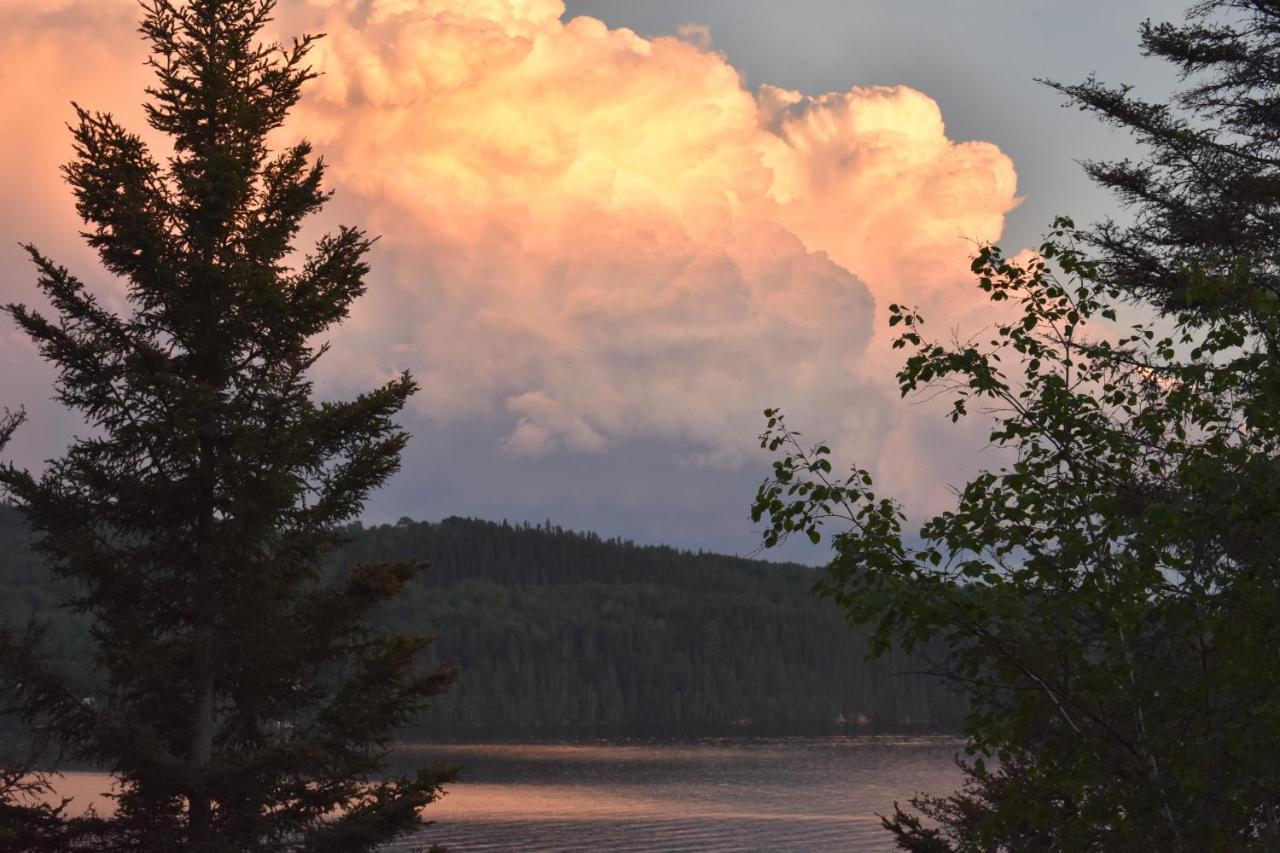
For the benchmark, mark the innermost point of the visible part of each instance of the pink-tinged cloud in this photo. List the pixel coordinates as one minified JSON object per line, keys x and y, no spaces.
{"x":589,"y":235}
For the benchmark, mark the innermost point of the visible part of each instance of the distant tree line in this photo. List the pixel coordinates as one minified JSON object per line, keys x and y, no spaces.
{"x":553,"y":628}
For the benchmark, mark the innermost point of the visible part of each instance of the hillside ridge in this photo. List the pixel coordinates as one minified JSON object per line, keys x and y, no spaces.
{"x":552,"y":628}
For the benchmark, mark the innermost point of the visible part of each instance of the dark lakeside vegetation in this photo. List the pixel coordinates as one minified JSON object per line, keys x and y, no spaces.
{"x":1109,"y":595}
{"x":554,"y":630}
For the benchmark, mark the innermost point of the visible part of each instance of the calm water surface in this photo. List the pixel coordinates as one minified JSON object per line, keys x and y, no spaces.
{"x":799,"y":795}
{"x":804,"y":795}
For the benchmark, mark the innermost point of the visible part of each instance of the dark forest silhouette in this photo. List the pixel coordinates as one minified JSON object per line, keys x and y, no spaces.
{"x":554,"y":629}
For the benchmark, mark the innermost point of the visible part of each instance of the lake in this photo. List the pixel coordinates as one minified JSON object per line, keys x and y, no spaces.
{"x":805,"y":795}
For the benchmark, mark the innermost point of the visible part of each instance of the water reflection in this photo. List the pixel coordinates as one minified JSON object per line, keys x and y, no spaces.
{"x":790,"y":795}
{"x":813,"y":795}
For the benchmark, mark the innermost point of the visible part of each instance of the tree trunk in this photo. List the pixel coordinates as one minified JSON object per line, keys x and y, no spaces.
{"x":200,"y":802}
{"x":200,"y":808}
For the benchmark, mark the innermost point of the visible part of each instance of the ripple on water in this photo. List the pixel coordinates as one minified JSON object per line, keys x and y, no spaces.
{"x":801,"y":795}
{"x":793,"y":795}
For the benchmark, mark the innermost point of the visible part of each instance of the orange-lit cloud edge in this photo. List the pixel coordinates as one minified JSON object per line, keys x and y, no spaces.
{"x":588,"y":235}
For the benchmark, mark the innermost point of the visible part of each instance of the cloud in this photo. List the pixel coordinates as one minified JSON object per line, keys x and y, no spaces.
{"x":53,"y":52}
{"x":603,"y":236}
{"x":870,"y":176}
{"x":590,"y":237}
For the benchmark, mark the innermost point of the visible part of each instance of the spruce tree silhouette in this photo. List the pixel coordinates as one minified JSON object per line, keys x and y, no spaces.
{"x":245,"y":702}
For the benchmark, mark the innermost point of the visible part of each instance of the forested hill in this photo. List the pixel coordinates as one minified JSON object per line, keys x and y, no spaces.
{"x":554,"y":628}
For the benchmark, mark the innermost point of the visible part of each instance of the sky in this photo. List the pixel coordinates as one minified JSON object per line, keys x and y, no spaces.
{"x":612,"y":233}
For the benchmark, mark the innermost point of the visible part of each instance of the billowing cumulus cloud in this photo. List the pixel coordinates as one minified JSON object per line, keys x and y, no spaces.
{"x":870,"y":177}
{"x":607,"y":236}
{"x":589,"y":237}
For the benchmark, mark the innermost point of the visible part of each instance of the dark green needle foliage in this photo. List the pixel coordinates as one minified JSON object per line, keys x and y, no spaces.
{"x":1205,"y":198}
{"x":1109,"y":597}
{"x":243,"y":702}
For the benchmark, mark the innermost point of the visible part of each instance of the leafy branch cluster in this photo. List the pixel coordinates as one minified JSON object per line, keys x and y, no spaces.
{"x":1096,"y":591}
{"x":1109,"y":597}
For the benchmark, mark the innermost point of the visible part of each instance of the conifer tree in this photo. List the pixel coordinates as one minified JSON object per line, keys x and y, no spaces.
{"x":1205,"y":196}
{"x":244,"y":702}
